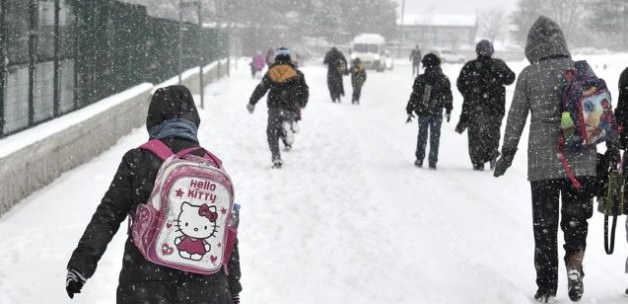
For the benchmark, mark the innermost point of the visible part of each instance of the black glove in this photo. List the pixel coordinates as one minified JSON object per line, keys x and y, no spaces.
{"x":613,"y":156}
{"x":74,"y":282}
{"x":236,"y":299}
{"x":410,"y":116}
{"x":504,"y":162}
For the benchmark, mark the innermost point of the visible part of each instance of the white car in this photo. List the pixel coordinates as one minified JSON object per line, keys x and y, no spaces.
{"x":448,"y":56}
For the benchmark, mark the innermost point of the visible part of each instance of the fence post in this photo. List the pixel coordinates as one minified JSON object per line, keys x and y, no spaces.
{"x":55,"y":76}
{"x":3,"y":59}
{"x":32,"y":44}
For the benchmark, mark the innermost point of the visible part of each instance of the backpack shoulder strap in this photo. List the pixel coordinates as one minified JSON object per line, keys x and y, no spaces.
{"x":158,"y":148}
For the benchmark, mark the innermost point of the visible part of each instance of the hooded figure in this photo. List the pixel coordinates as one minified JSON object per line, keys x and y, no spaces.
{"x":481,"y":82}
{"x":172,"y":118}
{"x":336,"y":67}
{"x":431,"y":93}
{"x":288,"y":94}
{"x":538,"y":93}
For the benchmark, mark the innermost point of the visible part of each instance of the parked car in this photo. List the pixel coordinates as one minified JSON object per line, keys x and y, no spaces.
{"x":448,"y":56}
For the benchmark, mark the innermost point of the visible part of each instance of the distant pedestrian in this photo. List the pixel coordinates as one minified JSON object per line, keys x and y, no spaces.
{"x":336,"y":68}
{"x":415,"y":58}
{"x":270,"y":56}
{"x":481,"y":83}
{"x":288,"y":94}
{"x":358,"y":77}
{"x":431,"y":93}
{"x":257,"y":64}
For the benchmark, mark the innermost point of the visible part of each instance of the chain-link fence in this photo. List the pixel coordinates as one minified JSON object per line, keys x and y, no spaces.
{"x":60,"y":55}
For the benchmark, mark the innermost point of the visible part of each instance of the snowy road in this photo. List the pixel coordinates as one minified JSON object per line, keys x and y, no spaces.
{"x":348,"y":219}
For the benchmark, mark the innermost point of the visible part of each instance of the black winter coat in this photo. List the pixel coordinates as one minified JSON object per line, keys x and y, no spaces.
{"x":481,"y":82}
{"x":437,"y":96}
{"x":621,"y":112}
{"x":288,"y":89}
{"x":131,"y":186}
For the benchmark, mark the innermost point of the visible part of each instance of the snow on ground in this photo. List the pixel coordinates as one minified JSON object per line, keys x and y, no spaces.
{"x":348,"y":218}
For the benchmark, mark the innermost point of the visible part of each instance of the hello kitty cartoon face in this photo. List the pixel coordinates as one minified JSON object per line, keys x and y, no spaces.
{"x":197,"y":222}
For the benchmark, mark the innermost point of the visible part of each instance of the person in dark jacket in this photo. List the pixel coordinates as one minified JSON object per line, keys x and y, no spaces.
{"x":172,"y":118}
{"x":537,"y":91}
{"x":431,"y":93}
{"x":415,"y":58}
{"x":336,"y":68}
{"x":621,"y":114}
{"x":481,"y":83}
{"x":358,"y":77}
{"x":288,"y":94}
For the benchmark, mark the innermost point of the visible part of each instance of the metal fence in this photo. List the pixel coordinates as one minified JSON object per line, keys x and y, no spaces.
{"x":61,"y":55}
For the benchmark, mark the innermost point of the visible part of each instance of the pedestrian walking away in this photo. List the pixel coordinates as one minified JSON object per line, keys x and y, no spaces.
{"x":288,"y":95}
{"x":481,"y":83}
{"x":173,"y":122}
{"x":358,"y":77}
{"x":538,"y":93}
{"x":336,"y":68}
{"x":415,"y":58}
{"x":431,"y":93}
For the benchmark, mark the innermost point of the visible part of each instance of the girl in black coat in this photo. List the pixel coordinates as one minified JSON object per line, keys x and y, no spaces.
{"x":172,"y":118}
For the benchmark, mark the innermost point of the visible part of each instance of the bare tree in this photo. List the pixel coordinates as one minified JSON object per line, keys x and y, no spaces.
{"x":492,"y":23}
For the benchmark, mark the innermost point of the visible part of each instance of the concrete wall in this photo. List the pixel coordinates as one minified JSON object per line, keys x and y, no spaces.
{"x":38,"y":164}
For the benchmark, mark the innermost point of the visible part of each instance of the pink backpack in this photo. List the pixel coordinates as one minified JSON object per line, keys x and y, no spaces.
{"x":187,"y":222}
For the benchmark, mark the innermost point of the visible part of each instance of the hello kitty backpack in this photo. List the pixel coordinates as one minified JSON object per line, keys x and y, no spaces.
{"x":187,"y":223}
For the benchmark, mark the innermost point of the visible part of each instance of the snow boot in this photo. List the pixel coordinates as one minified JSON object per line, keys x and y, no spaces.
{"x":575,"y":287}
{"x":277,"y":163}
{"x":478,"y":167}
{"x":418,"y":163}
{"x":432,"y":166}
{"x":544,"y":297}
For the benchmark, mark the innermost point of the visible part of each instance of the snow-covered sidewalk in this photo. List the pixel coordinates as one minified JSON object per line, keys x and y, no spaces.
{"x":348,"y":219}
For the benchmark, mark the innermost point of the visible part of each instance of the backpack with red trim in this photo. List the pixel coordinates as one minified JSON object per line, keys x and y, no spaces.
{"x":586,"y":113}
{"x":188,"y":222}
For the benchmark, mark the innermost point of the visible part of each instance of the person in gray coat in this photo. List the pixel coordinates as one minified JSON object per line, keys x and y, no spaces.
{"x":537,"y":92}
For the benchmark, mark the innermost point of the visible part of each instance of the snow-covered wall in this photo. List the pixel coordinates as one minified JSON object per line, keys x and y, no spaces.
{"x":31,"y":159}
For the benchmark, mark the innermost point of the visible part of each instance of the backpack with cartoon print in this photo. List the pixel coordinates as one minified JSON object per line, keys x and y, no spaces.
{"x":187,"y":223}
{"x":586,"y":113}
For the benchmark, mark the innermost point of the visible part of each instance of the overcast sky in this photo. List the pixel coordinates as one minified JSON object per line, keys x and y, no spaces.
{"x":456,"y":6}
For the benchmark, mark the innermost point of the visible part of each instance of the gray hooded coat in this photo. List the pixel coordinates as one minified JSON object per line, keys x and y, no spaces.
{"x":538,"y":92}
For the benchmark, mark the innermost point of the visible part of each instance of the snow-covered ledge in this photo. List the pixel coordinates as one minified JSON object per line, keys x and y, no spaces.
{"x":31,"y":159}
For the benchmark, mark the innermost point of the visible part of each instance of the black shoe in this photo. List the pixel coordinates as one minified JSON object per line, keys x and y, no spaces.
{"x":277,"y":163}
{"x":432,"y":166}
{"x":478,"y":167}
{"x":575,"y":287}
{"x":418,"y":163}
{"x":545,"y":297}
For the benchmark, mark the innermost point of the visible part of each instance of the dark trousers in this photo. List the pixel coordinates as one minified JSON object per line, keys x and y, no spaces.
{"x":483,"y":139}
{"x":416,"y":68}
{"x":357,"y":91}
{"x":275,"y":131}
{"x":575,"y":210}
{"x":432,"y":124}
